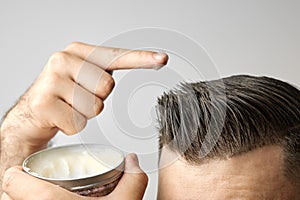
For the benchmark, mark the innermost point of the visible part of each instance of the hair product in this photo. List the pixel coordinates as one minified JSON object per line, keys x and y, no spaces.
{"x":86,"y":169}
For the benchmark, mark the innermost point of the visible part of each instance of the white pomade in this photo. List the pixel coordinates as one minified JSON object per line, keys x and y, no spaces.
{"x":73,"y":163}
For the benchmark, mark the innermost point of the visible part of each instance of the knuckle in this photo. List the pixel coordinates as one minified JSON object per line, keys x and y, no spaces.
{"x":45,"y":92}
{"x":116,"y":52}
{"x":58,"y":60}
{"x":141,"y":54}
{"x":109,"y":84}
{"x":98,"y":106}
{"x":80,"y":125}
{"x":51,"y":83}
{"x":76,"y":123}
{"x":73,"y":45}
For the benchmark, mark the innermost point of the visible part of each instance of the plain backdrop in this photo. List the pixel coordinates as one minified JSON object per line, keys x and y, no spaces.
{"x":259,"y":37}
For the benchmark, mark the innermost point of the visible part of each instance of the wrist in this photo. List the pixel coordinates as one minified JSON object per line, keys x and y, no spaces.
{"x":20,"y":126}
{"x":20,"y":138}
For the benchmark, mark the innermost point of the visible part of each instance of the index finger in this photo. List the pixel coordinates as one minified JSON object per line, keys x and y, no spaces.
{"x":110,"y":58}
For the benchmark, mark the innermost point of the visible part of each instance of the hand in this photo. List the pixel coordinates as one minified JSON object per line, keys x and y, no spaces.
{"x":71,"y":89}
{"x":18,"y":185}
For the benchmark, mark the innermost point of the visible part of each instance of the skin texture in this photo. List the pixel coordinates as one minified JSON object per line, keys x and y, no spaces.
{"x":253,"y":175}
{"x":70,"y":90}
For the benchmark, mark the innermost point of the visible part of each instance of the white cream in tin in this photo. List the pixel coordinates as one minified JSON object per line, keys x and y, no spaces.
{"x":73,"y":163}
{"x":87,"y":169}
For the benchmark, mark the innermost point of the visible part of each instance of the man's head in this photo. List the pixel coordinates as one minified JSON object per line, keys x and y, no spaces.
{"x":237,"y":137}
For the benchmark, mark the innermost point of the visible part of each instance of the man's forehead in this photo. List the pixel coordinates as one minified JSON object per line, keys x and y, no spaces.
{"x":252,"y":173}
{"x":260,"y":156}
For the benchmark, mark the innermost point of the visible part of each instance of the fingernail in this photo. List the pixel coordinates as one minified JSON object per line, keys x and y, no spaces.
{"x":157,"y":66}
{"x":133,"y":158}
{"x":159,"y":56}
{"x":131,"y":162}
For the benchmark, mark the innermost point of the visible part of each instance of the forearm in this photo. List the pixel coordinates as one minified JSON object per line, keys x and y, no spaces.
{"x":13,"y":152}
{"x":13,"y":148}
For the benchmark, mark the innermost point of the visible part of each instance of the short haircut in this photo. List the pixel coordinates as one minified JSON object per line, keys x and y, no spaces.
{"x":251,"y":112}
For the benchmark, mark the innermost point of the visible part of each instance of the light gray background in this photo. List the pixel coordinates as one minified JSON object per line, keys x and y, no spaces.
{"x":260,"y":37}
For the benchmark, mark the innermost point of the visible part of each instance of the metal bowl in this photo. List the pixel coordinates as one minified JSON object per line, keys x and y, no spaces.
{"x":98,"y":184}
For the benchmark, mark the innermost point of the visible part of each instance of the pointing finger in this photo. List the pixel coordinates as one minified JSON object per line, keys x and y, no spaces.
{"x":110,"y":58}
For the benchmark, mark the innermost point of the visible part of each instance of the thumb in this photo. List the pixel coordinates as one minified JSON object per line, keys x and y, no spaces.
{"x":18,"y":185}
{"x":133,"y":183}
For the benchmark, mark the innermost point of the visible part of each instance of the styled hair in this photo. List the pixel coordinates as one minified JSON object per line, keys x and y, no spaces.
{"x":223,"y":118}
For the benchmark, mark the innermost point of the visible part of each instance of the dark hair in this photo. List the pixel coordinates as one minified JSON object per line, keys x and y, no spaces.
{"x":232,"y":115}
